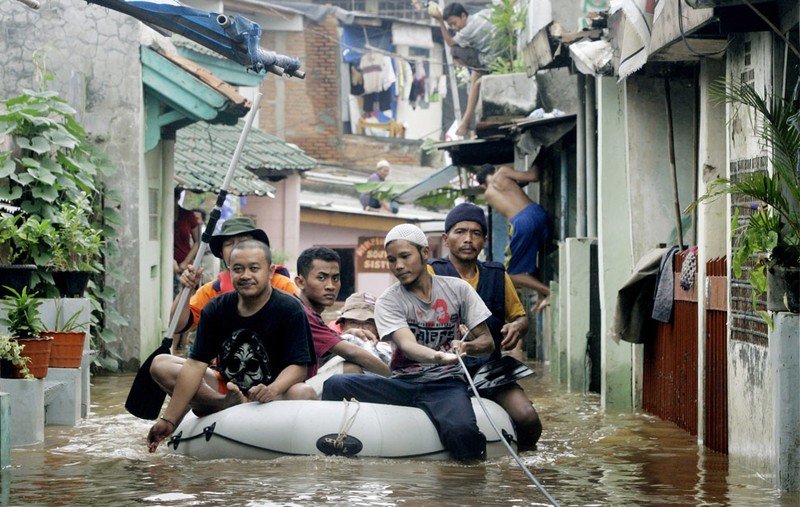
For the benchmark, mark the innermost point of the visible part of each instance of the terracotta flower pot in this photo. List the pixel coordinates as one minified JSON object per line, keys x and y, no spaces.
{"x":67,"y":351}
{"x":38,"y":350}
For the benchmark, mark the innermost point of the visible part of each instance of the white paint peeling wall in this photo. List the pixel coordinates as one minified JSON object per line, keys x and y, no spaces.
{"x":94,"y":55}
{"x":749,"y":379}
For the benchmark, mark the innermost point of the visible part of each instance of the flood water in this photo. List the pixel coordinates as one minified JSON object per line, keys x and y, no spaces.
{"x":585,"y":457}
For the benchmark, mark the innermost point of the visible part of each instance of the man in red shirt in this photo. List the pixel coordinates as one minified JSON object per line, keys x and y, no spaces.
{"x":319,"y":283}
{"x":185,"y":241}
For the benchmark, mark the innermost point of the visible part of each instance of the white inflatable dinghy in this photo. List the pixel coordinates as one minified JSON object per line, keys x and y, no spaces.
{"x":286,"y":428}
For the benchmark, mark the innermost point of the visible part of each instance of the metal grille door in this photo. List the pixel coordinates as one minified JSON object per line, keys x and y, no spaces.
{"x":670,"y":361}
{"x":716,"y":360}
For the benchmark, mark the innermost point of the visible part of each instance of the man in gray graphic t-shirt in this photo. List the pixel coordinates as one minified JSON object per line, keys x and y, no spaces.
{"x":422,"y":314}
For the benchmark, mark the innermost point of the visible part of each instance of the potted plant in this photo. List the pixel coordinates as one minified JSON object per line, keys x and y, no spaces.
{"x":12,"y":361}
{"x":68,"y":336}
{"x":771,"y":234}
{"x":75,"y":248}
{"x":23,"y":243}
{"x":24,"y":324}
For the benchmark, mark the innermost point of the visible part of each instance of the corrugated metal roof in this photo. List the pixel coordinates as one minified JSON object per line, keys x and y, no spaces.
{"x":203,"y":153}
{"x":182,"y":42}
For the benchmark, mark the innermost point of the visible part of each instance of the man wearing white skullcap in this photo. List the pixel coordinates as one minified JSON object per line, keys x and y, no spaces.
{"x":425,"y":316}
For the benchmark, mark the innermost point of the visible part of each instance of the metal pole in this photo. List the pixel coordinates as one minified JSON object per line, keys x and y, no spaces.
{"x":451,"y":74}
{"x":671,"y":143}
{"x":580,"y":163}
{"x":591,"y":159}
{"x":564,"y":195}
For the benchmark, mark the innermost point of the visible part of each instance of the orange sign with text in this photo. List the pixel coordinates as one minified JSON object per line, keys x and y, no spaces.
{"x":370,"y":255}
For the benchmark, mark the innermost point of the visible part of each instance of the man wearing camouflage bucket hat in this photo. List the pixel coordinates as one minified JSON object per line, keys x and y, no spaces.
{"x":233,"y":231}
{"x":358,"y":313}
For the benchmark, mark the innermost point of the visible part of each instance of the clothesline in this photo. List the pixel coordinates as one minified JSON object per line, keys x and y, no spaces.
{"x":379,"y":50}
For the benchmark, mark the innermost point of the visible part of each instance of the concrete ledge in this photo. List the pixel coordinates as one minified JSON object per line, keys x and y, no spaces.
{"x":5,"y":430}
{"x":63,"y":406}
{"x":784,"y":363}
{"x":27,"y":417}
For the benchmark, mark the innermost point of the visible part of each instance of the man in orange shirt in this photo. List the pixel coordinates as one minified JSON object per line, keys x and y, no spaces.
{"x":233,"y":231}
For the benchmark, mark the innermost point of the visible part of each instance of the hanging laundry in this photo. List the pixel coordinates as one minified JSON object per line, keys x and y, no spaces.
{"x":389,"y":76}
{"x":356,"y":81}
{"x":405,"y":77}
{"x":380,"y":101}
{"x":418,"y":87}
{"x":372,"y":69}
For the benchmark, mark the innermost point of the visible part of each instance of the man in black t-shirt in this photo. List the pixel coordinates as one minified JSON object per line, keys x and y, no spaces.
{"x":260,"y":338}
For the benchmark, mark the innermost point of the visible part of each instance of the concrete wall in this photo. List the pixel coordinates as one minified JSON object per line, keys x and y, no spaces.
{"x":345,"y":237}
{"x":577,"y":289}
{"x":652,"y":211}
{"x":94,"y":55}
{"x":750,"y":412}
{"x":280,"y":217}
{"x":615,"y":257}
{"x":711,"y":216}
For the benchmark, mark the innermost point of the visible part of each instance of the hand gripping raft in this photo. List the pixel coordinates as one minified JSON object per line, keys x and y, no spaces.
{"x":146,"y":397}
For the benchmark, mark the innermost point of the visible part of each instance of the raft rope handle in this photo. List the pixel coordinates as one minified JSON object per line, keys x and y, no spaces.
{"x":347,"y":423}
{"x":499,"y":434}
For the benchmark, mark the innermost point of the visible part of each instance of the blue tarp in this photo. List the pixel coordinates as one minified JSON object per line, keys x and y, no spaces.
{"x":356,"y":37}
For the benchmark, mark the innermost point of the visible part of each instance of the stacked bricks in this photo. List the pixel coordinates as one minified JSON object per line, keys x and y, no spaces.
{"x":746,"y":325}
{"x":311,"y":106}
{"x":364,"y":151}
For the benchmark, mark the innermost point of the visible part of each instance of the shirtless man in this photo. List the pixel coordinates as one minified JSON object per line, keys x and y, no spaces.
{"x":528,"y":223}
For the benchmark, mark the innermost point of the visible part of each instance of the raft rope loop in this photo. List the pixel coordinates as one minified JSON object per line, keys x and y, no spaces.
{"x":500,"y":434}
{"x":347,"y":422}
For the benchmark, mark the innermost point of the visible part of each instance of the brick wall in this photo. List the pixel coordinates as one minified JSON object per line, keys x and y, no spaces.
{"x":364,"y":151}
{"x":746,"y":325}
{"x":312,"y":119}
{"x":311,"y":105}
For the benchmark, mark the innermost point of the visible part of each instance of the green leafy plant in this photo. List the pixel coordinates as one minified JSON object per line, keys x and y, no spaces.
{"x":77,"y":244}
{"x":62,"y":324}
{"x":46,"y":159}
{"x":771,"y":233}
{"x":11,"y":350}
{"x":24,"y":239}
{"x":23,"y":319}
{"x":508,"y":18}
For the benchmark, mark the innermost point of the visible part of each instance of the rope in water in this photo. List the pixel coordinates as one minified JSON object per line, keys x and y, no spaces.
{"x":497,"y":430}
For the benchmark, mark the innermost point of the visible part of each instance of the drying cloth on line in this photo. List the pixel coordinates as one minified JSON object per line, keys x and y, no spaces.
{"x":632,"y":315}
{"x":665,"y":287}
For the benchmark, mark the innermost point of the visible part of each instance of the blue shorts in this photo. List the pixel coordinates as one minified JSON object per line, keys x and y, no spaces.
{"x":529,"y":230}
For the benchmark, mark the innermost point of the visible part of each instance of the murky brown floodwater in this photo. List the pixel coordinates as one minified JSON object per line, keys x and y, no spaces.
{"x":585,"y":457}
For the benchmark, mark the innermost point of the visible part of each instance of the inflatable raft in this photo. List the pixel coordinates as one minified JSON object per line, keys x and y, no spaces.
{"x":291,"y":428}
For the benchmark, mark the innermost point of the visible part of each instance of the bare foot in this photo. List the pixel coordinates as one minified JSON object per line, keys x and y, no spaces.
{"x":234,"y":397}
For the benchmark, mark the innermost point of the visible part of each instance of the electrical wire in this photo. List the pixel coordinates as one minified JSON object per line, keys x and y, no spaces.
{"x":701,"y":54}
{"x":773,"y":27}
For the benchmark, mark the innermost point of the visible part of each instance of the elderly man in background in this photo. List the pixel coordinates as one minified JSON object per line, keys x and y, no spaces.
{"x":368,"y":202}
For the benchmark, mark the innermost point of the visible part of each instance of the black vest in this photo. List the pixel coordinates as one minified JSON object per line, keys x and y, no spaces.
{"x":491,"y":289}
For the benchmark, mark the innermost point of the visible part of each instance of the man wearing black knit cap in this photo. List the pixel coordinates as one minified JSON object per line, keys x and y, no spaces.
{"x":465,"y":233}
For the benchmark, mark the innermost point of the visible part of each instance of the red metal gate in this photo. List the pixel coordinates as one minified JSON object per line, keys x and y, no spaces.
{"x":670,"y":361}
{"x":716,"y":357}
